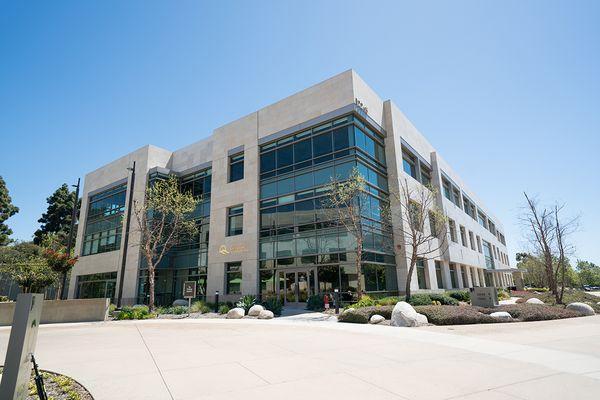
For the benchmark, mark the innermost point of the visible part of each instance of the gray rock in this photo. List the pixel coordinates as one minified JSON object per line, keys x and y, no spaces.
{"x":404,"y":314}
{"x":180,"y":302}
{"x":255,"y":310}
{"x":534,"y":300}
{"x":582,"y":308}
{"x":503,"y":315}
{"x":375,"y":319}
{"x":265,"y":314}
{"x":236,"y":313}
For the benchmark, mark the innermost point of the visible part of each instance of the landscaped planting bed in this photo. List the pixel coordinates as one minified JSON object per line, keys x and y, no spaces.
{"x":570,"y":296}
{"x":58,"y":387}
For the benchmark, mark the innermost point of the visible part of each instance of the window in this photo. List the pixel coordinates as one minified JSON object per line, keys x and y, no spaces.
{"x":456,"y":198}
{"x":463,"y":236}
{"x":489,"y":257}
{"x":409,"y":164}
{"x":235,"y":216}
{"x":103,"y":223}
{"x":453,"y":276}
{"x":236,"y":167}
{"x":233,"y":278}
{"x":452,"y":227}
{"x":425,"y":175}
{"x":438,"y":274}
{"x":96,"y":285}
{"x":433,"y":224}
{"x":472,"y":240}
{"x":479,"y":244}
{"x":421,"y":274}
{"x":482,"y":219}
{"x":447,"y":189}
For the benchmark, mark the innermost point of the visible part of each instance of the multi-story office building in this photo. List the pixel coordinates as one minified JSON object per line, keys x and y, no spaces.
{"x":262,"y":227}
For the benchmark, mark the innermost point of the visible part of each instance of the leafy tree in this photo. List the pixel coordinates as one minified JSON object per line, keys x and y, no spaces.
{"x":55,"y":254}
{"x":163,"y":222}
{"x":7,"y":210}
{"x":423,"y":225}
{"x":588,"y":273}
{"x":25,"y":264}
{"x":57,"y":218}
{"x":533,"y":268}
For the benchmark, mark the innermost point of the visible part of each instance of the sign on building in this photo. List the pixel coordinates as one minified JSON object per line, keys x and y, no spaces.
{"x":21,"y":345}
{"x":484,"y":297}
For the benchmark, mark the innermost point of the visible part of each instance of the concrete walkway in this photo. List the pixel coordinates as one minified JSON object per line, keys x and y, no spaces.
{"x":282,"y":359}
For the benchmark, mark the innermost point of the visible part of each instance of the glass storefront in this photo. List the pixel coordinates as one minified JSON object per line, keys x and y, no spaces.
{"x":97,"y":286}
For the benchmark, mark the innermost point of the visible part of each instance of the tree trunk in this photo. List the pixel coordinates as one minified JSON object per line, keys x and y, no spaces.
{"x":151,"y":286}
{"x":359,"y":288}
{"x":413,"y":262}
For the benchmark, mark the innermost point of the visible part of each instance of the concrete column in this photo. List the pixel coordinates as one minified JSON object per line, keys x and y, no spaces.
{"x":430,"y":276}
{"x":446,"y":275}
{"x":476,"y":277}
{"x":469,"y":277}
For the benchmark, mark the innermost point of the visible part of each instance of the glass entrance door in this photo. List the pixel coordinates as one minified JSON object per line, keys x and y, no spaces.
{"x":296,"y":286}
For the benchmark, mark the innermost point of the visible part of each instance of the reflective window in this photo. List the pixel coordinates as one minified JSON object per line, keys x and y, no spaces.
{"x":421,"y":274}
{"x":303,"y":150}
{"x":233,"y":278}
{"x":236,"y":167}
{"x":322,"y":144}
{"x":235,"y":216}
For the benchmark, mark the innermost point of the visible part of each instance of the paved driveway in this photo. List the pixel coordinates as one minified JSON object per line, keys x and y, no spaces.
{"x":285,"y":360}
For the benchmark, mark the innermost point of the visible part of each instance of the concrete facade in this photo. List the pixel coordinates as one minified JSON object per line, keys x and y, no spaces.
{"x":310,"y":106}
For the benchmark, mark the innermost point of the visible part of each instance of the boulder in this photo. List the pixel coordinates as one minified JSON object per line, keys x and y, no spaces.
{"x":502,"y":315}
{"x":265,"y":314}
{"x":375,"y":319}
{"x":582,"y":308}
{"x":534,"y":300}
{"x":180,"y":302}
{"x":236,"y":313}
{"x":255,"y":310}
{"x":404,"y":314}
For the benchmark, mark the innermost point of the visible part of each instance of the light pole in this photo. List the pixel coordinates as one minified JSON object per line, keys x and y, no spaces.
{"x":63,"y":293}
{"x":126,"y":241}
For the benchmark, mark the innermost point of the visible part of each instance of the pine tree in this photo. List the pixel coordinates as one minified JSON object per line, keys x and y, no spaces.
{"x":7,"y":210}
{"x":57,"y":218}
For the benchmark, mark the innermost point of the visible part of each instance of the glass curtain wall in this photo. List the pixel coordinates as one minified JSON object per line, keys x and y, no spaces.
{"x":295,"y":231}
{"x":103,"y":223}
{"x":187,"y":261}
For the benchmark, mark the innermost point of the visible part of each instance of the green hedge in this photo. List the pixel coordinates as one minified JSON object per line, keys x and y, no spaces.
{"x":461,"y":295}
{"x":534,"y":312}
{"x":362,"y":315}
{"x":138,"y":312}
{"x":453,"y":315}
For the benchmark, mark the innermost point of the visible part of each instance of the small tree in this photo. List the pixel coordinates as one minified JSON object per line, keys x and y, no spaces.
{"x":163,"y":222}
{"x":57,"y":218}
{"x":55,"y":254}
{"x":343,"y":205}
{"x":416,"y":208}
{"x":24,"y":263}
{"x":7,"y":210}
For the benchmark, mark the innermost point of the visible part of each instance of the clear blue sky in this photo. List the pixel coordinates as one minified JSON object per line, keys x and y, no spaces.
{"x":508,"y":92}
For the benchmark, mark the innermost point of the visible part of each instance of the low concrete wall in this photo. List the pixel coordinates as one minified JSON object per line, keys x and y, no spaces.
{"x":56,"y":311}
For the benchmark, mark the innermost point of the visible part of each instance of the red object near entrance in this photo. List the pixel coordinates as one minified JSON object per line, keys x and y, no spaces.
{"x":326,"y":301}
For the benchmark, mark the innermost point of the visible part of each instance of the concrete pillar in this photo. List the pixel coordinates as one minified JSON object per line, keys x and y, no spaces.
{"x":430,"y":276}
{"x":446,"y":275}
{"x":469,"y":277}
{"x":476,"y":277}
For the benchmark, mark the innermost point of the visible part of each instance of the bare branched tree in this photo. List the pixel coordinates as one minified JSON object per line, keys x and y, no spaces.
{"x":423,"y":227}
{"x":163,"y":221}
{"x":549,"y":237}
{"x":343,"y":205}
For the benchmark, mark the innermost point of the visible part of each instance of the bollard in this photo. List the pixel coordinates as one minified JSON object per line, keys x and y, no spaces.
{"x":217,"y":301}
{"x":336,"y":300}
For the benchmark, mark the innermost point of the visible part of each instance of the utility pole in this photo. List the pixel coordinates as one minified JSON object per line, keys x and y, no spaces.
{"x":63,"y":290}
{"x":126,"y":241}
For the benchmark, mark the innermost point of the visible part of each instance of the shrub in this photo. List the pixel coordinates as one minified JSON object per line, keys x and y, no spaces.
{"x":273,"y":304}
{"x":246,"y":302}
{"x":503,"y":294}
{"x":224,"y":309}
{"x":174,"y":310}
{"x":362,"y":315}
{"x":140,"y":312}
{"x":365,"y":301}
{"x":4,"y":299}
{"x":460,"y":295}
{"x":315,"y":302}
{"x":521,"y":300}
{"x":420,"y":299}
{"x":443,"y":299}
{"x":200,"y":306}
{"x":535,"y":312}
{"x":388,"y":301}
{"x":451,"y":315}
{"x":111,"y":309}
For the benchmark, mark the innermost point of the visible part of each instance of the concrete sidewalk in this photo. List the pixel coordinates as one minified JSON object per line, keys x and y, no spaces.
{"x":294,"y":359}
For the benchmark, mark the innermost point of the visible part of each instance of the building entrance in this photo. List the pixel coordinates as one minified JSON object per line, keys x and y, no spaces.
{"x":295,"y":286}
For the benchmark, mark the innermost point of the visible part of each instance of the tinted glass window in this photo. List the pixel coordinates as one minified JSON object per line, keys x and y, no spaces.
{"x":267,"y":161}
{"x":285,"y":156}
{"x":303,"y":150}
{"x":304,"y":181}
{"x":322,"y":144}
{"x":323,"y":176}
{"x":341,"y":138}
